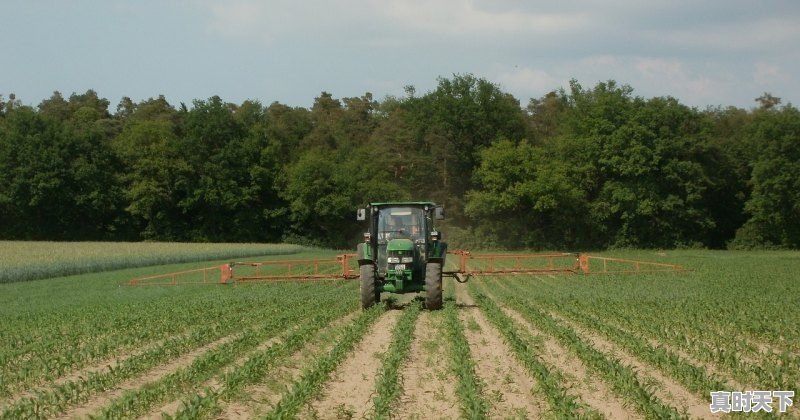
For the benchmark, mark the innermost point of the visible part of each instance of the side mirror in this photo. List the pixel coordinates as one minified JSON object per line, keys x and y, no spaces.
{"x":361,"y":214}
{"x":439,"y":213}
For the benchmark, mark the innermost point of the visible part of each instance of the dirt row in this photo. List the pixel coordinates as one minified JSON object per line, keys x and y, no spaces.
{"x":428,"y":383}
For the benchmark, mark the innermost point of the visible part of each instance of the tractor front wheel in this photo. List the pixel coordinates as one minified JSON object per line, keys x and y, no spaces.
{"x":369,"y":292}
{"x":433,"y":286}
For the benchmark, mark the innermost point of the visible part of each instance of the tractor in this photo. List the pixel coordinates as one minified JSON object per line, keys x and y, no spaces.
{"x":402,"y":251}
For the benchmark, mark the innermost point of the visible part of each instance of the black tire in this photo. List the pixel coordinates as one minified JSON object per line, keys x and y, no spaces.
{"x":369,"y":292}
{"x":433,"y":286}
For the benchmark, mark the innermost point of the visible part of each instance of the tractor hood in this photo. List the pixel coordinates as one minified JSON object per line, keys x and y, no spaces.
{"x":400,"y":244}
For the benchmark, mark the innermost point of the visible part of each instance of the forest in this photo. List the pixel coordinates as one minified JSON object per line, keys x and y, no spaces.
{"x":579,"y":168}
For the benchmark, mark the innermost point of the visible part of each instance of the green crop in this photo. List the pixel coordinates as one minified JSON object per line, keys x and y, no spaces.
{"x":388,"y":387}
{"x":68,"y":342}
{"x":20,"y":261}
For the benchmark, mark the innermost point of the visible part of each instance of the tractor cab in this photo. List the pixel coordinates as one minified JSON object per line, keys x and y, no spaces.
{"x":400,"y":247}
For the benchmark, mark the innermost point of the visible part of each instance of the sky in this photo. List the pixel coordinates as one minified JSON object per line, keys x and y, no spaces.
{"x":704,"y":53}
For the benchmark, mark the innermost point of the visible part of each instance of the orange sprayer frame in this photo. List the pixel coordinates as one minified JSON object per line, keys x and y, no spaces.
{"x":343,"y":267}
{"x":271,"y":271}
{"x":553,"y":263}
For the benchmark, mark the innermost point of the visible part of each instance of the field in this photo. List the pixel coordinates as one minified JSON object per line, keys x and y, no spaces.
{"x":527,"y":346}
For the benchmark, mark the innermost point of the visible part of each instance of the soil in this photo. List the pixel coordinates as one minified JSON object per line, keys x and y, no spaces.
{"x":512,"y":392}
{"x":349,"y":392}
{"x":429,"y":391}
{"x":670,"y":391}
{"x":99,"y":401}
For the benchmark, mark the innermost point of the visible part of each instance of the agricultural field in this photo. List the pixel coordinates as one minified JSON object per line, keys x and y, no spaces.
{"x":20,"y":260}
{"x":526,"y":346}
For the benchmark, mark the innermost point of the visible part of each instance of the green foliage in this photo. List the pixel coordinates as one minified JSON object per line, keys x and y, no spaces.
{"x":388,"y":382}
{"x":20,"y":261}
{"x":578,"y":168}
{"x":470,"y":388}
{"x":616,"y":171}
{"x":774,"y":205}
{"x":69,"y":341}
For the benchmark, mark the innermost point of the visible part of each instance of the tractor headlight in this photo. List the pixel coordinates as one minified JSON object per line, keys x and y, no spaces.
{"x":407,"y":260}
{"x":393,"y":260}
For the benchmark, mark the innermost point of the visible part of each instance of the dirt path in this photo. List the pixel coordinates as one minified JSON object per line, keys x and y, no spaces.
{"x":428,"y":387}
{"x":351,"y":388}
{"x":670,"y":391}
{"x":99,"y":401}
{"x":710,"y":368}
{"x":95,"y":367}
{"x":509,"y":389}
{"x":261,"y":397}
{"x":579,"y":380}
{"x":172,"y":407}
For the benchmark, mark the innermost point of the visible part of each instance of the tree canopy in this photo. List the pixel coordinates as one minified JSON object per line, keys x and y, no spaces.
{"x":578,"y":168}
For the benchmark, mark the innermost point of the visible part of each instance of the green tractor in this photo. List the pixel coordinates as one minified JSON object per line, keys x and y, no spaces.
{"x":402,"y":252}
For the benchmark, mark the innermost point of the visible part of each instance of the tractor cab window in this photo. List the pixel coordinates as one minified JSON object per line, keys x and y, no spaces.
{"x":400,"y":222}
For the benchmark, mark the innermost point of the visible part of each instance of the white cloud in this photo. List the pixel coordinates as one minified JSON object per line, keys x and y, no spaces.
{"x":387,"y":21}
{"x":531,"y":81}
{"x":465,"y":17}
{"x":731,"y":36}
{"x":766,"y":74}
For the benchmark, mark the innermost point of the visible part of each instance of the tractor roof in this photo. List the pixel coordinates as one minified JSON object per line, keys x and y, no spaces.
{"x":403,"y":203}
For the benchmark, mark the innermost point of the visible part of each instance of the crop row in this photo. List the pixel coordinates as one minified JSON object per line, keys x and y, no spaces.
{"x":312,"y":379}
{"x":528,"y":354}
{"x":209,"y":402}
{"x":771,"y":370}
{"x":130,"y":327}
{"x":21,"y":261}
{"x":57,"y":399}
{"x":388,"y":387}
{"x":621,"y":377}
{"x":469,"y":387}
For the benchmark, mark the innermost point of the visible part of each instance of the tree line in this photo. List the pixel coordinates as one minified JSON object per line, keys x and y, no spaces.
{"x":579,"y":168}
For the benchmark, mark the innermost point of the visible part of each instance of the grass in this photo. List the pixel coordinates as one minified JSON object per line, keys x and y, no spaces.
{"x":21,"y":261}
{"x":734,"y":311}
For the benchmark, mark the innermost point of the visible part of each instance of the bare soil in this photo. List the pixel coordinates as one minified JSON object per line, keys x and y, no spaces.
{"x":101,"y":400}
{"x":669,"y":390}
{"x":349,"y":392}
{"x":428,"y":385}
{"x":578,"y":379}
{"x":511,"y":392}
{"x":263,"y":396}
{"x":172,"y":407}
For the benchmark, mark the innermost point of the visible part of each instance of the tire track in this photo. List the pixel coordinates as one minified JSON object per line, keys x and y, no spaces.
{"x":99,"y":401}
{"x":673,"y":393}
{"x":261,"y":397}
{"x":428,"y":386}
{"x":352,"y":385}
{"x":511,"y":392}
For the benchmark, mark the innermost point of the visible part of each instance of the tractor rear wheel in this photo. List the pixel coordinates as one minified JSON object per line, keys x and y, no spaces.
{"x":433,"y":286}
{"x":369,"y":293}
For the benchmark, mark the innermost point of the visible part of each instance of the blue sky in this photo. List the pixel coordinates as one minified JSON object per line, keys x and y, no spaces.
{"x":716,"y":52}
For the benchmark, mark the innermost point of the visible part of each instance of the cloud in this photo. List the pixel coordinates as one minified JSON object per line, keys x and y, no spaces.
{"x":365,"y":21}
{"x":531,"y":81}
{"x":766,"y":74}
{"x":454,"y":18}
{"x":239,"y":18}
{"x":756,"y":35}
